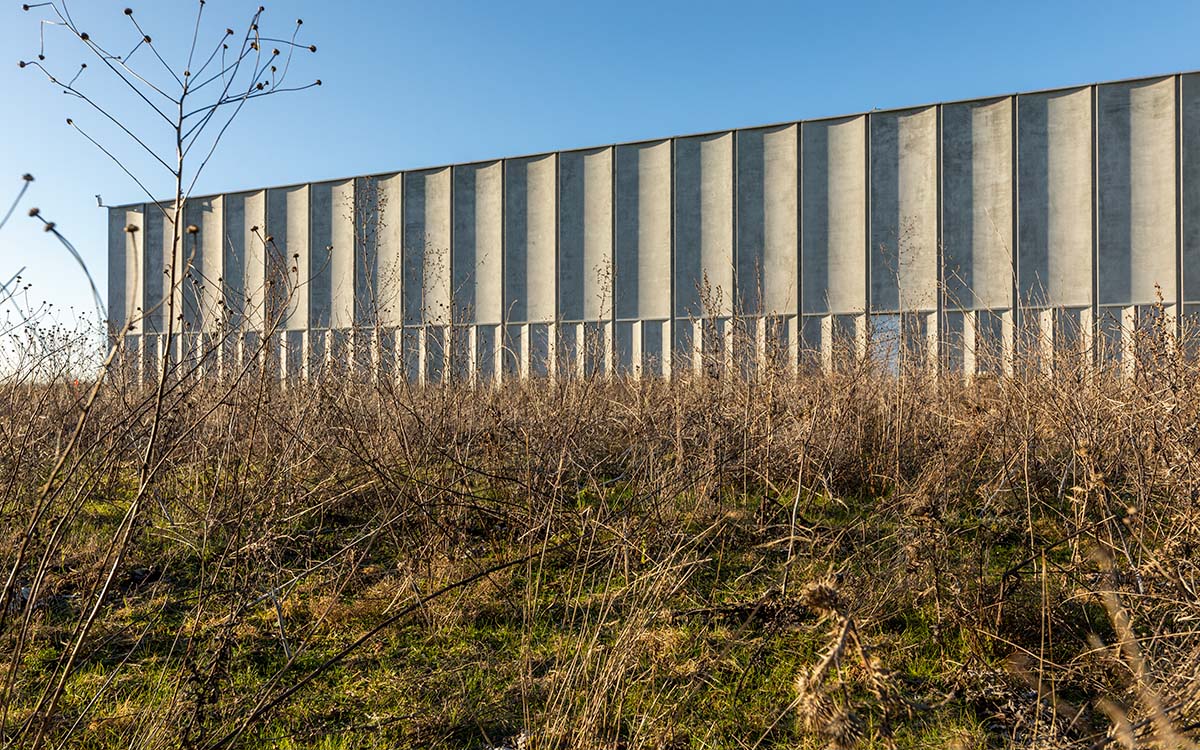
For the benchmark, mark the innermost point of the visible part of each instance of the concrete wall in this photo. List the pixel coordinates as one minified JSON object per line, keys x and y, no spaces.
{"x":949,"y":224}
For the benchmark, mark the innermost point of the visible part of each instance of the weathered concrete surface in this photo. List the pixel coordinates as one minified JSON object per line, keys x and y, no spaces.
{"x":530,"y":241}
{"x":977,"y":204}
{"x":768,"y":221}
{"x":904,"y":224}
{"x":1055,"y":198}
{"x":586,"y":235}
{"x":920,"y":221}
{"x":1136,"y":124}
{"x":704,"y":266}
{"x":834,"y":216}
{"x":427,"y":247}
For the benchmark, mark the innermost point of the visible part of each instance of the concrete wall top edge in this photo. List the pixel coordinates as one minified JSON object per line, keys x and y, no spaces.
{"x":1148,"y":79}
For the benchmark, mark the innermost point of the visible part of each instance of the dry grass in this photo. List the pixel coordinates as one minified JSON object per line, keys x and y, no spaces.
{"x":857,"y":559}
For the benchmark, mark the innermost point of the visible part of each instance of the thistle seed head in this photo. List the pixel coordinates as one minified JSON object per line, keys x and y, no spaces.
{"x":821,"y":596}
{"x":844,"y":730}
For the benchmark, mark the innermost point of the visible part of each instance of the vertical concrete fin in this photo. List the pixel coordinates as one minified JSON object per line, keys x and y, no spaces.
{"x":768,"y":221}
{"x":1136,"y":151}
{"x":426,"y":281}
{"x":291,"y":263}
{"x":904,"y":211}
{"x":703,"y":257}
{"x":585,"y":232}
{"x":530,"y":244}
{"x":1055,"y":188}
{"x":977,"y":206}
{"x":833,"y":217}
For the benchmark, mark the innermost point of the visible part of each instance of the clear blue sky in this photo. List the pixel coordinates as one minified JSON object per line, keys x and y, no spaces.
{"x":410,"y":84}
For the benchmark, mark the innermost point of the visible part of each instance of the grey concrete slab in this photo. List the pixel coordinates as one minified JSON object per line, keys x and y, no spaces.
{"x":530,"y":239}
{"x":904,"y":203}
{"x":427,"y":247}
{"x":156,"y":264}
{"x":703,"y":255}
{"x":834,"y":216}
{"x":768,"y":226}
{"x":585,"y":235}
{"x":333,"y":252}
{"x":643,"y":231}
{"x":1054,"y":175}
{"x":1136,"y":131}
{"x":477,"y":254}
{"x":289,"y":263}
{"x":125,"y":264}
{"x":1190,"y":142}
{"x":977,"y":204}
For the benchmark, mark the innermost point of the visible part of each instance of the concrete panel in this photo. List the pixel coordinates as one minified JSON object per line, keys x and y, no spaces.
{"x":1135,"y":126}
{"x":205,"y":249}
{"x":530,"y":219}
{"x":1190,"y":141}
{"x":904,"y":205}
{"x":427,"y":247}
{"x":828,"y":219}
{"x":643,"y":231}
{"x":125,"y":263}
{"x":1054,"y":176}
{"x":768,"y":221}
{"x":332,"y":254}
{"x":977,"y":204}
{"x":477,"y":258}
{"x":290,"y":266}
{"x":378,"y":236}
{"x":156,"y":263}
{"x":655,"y":346}
{"x":703,"y":187}
{"x":834,"y":216}
{"x":585,"y":275}
{"x":246,"y":259}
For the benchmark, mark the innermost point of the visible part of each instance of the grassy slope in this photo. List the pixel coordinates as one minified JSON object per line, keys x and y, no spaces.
{"x":686,"y":555}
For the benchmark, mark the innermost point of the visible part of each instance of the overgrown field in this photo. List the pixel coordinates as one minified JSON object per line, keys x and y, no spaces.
{"x":852,"y":560}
